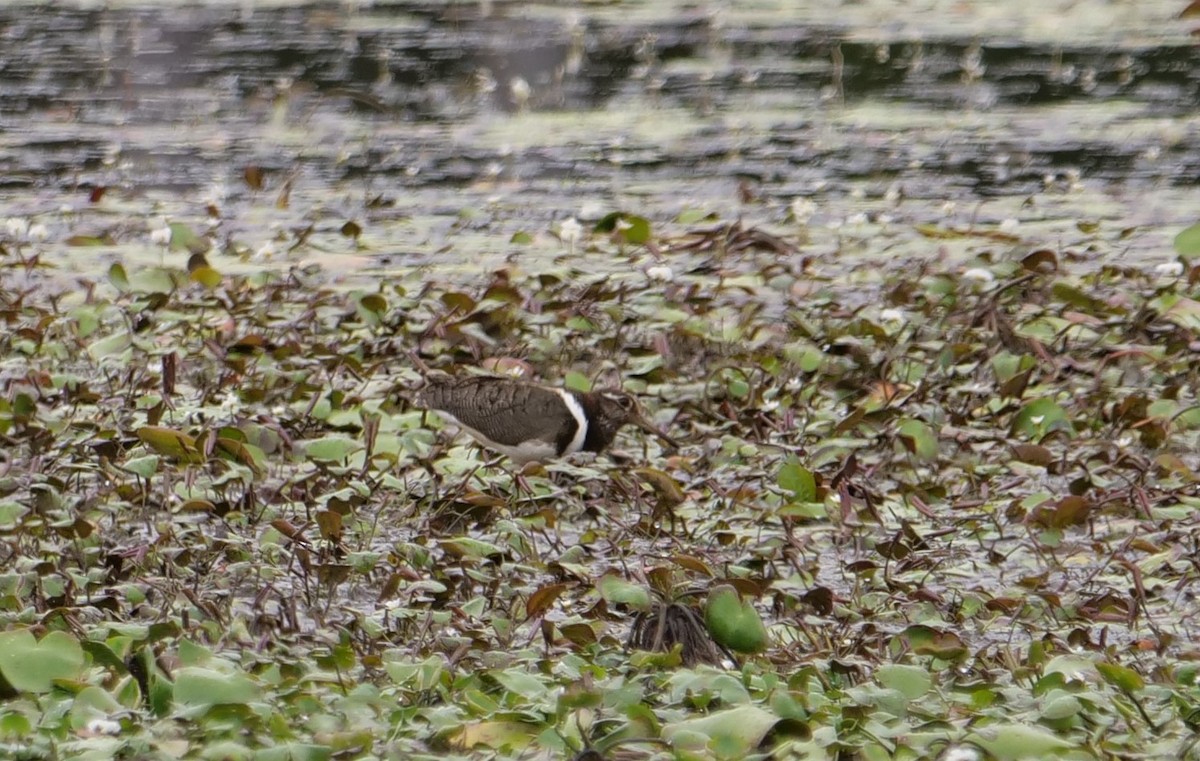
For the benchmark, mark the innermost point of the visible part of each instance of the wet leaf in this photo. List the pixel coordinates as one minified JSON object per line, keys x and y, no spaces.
{"x":1187,"y":242}
{"x":542,"y":599}
{"x":733,"y":622}
{"x":206,"y":687}
{"x":171,"y":443}
{"x":910,"y":681}
{"x":1016,"y":742}
{"x":618,"y":591}
{"x":795,"y":478}
{"x":31,"y":665}
{"x":1122,"y":677}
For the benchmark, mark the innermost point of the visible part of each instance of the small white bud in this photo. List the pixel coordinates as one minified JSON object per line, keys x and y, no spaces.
{"x":661,"y":273}
{"x":570,"y":231}
{"x":978,"y":275}
{"x":1169,"y":269}
{"x":17,"y":227}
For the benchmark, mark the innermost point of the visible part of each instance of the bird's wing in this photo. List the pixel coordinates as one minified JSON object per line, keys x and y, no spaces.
{"x":506,"y":411}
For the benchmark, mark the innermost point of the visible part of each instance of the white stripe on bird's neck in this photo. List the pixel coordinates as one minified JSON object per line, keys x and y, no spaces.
{"x":581,"y":421}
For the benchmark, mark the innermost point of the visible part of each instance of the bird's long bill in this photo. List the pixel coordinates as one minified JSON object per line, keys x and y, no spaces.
{"x":641,"y":422}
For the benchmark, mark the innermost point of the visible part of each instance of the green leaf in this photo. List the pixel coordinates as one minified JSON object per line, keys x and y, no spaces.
{"x":1040,"y":417}
{"x":798,"y":480}
{"x":118,"y":278}
{"x":521,"y":683}
{"x":1018,"y":742}
{"x":206,"y":276}
{"x":919,"y":439}
{"x":184,"y":239}
{"x":333,"y":449}
{"x":145,"y":467}
{"x":618,"y":591}
{"x":576,"y":381}
{"x":1187,"y":242}
{"x":910,"y":681}
{"x":733,"y":622}
{"x":30,"y":665}
{"x":1121,"y":677}
{"x":11,"y":513}
{"x":632,"y":228}
{"x":205,"y":687}
{"x":110,"y":345}
{"x":169,"y":442}
{"x":728,"y":734}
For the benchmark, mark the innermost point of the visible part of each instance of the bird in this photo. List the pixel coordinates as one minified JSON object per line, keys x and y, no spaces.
{"x":528,"y":422}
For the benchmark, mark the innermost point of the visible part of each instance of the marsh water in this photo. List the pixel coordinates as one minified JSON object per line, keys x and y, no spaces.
{"x":442,"y":129}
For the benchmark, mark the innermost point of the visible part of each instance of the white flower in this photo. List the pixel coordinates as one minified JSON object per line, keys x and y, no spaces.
{"x":520,"y":90}
{"x":1009,"y":225}
{"x":892,"y":315}
{"x":230,"y":403}
{"x":104,"y":727}
{"x":1169,"y":269}
{"x":570,"y":231}
{"x":978,"y":275}
{"x":161,"y":235}
{"x":38,"y":233}
{"x":17,"y":227}
{"x":661,"y":273}
{"x":961,"y":753}
{"x":802,"y":210}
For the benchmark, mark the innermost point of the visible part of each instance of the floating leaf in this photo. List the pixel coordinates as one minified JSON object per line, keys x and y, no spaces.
{"x":335,"y":449}
{"x":171,"y":443}
{"x":1121,"y":677}
{"x":205,"y":276}
{"x":727,"y":734}
{"x":1187,"y":242}
{"x":733,"y":622}
{"x":630,"y":227}
{"x":1040,"y":417}
{"x":925,"y":640}
{"x":919,"y":439}
{"x":1018,"y":742}
{"x":618,"y":591}
{"x":183,"y":238}
{"x":206,"y":687}
{"x":118,"y":278}
{"x":542,"y":599}
{"x":30,"y":665}
{"x":798,"y":480}
{"x":910,"y":681}
{"x":497,"y":735}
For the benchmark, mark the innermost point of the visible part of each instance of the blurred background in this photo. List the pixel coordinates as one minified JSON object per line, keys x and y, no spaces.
{"x":822,"y":114}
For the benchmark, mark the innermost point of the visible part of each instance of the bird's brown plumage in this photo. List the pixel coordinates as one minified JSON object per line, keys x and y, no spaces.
{"x":530,"y":422}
